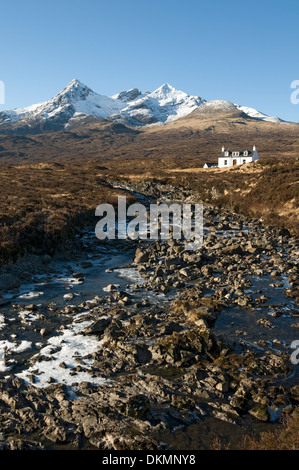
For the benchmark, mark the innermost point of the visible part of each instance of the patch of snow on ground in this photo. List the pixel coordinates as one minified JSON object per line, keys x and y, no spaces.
{"x":65,"y":348}
{"x":30,"y":295}
{"x":2,"y":321}
{"x":14,"y":347}
{"x":131,"y":274}
{"x":27,"y":315}
{"x":69,"y":280}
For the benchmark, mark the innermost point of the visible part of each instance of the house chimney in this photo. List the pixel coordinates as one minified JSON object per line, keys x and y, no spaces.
{"x":223,"y":149}
{"x":254,"y":148}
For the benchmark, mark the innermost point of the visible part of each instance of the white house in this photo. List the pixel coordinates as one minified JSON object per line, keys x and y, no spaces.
{"x":237,"y":157}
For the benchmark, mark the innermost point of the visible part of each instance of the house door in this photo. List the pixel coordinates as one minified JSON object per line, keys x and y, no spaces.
{"x":234,"y":162}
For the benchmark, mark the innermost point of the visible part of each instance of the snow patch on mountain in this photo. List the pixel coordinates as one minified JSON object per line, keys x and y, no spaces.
{"x":254,"y":113}
{"x":217,"y":106}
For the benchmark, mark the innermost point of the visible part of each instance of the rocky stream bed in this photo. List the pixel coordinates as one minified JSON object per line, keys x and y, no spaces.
{"x":143,"y":345}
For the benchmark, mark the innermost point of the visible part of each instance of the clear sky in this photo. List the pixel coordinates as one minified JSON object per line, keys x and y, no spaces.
{"x":242,"y":51}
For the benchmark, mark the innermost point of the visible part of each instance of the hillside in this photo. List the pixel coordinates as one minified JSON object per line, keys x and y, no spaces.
{"x":191,"y":140}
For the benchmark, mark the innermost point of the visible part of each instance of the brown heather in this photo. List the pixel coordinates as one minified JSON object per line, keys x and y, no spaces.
{"x":43,"y":206}
{"x":51,"y":183}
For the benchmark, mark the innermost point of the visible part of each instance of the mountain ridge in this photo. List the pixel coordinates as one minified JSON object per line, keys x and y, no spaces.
{"x":132,"y":108}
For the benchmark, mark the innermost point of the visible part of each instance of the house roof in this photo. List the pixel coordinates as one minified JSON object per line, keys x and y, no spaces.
{"x":211,"y":164}
{"x":241,"y":153}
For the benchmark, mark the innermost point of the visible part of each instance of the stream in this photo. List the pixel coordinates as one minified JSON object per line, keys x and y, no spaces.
{"x":35,"y":321}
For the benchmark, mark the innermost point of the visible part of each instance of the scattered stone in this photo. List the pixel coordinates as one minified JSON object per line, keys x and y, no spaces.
{"x":140,"y":256}
{"x":68,"y":296}
{"x":44,"y":332}
{"x":98,"y":327}
{"x":260,"y":412}
{"x":265,"y":322}
{"x":111,"y":288}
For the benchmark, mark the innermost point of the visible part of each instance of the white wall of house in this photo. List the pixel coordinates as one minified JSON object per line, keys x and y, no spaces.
{"x":231,"y":160}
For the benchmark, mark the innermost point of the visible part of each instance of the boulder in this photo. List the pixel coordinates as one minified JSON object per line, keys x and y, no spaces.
{"x":233,"y":249}
{"x":260,"y":412}
{"x":140,"y":256}
{"x":137,"y":406}
{"x":98,"y":327}
{"x":294,"y":392}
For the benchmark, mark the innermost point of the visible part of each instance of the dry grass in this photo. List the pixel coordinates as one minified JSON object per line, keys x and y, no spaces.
{"x":286,"y":437}
{"x":266,"y":189}
{"x":43,"y":206}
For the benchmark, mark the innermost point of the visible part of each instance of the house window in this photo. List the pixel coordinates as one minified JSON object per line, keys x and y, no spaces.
{"x":244,"y":160}
{"x":225,"y":162}
{"x":245,"y":153}
{"x":226,"y":154}
{"x":235,"y":154}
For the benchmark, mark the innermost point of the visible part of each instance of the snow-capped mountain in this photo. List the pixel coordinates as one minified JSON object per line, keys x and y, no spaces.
{"x":54,"y":114}
{"x":76,"y":102}
{"x":164,"y":105}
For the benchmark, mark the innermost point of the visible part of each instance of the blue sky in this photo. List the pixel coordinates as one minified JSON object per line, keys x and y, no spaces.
{"x":244,"y":52}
